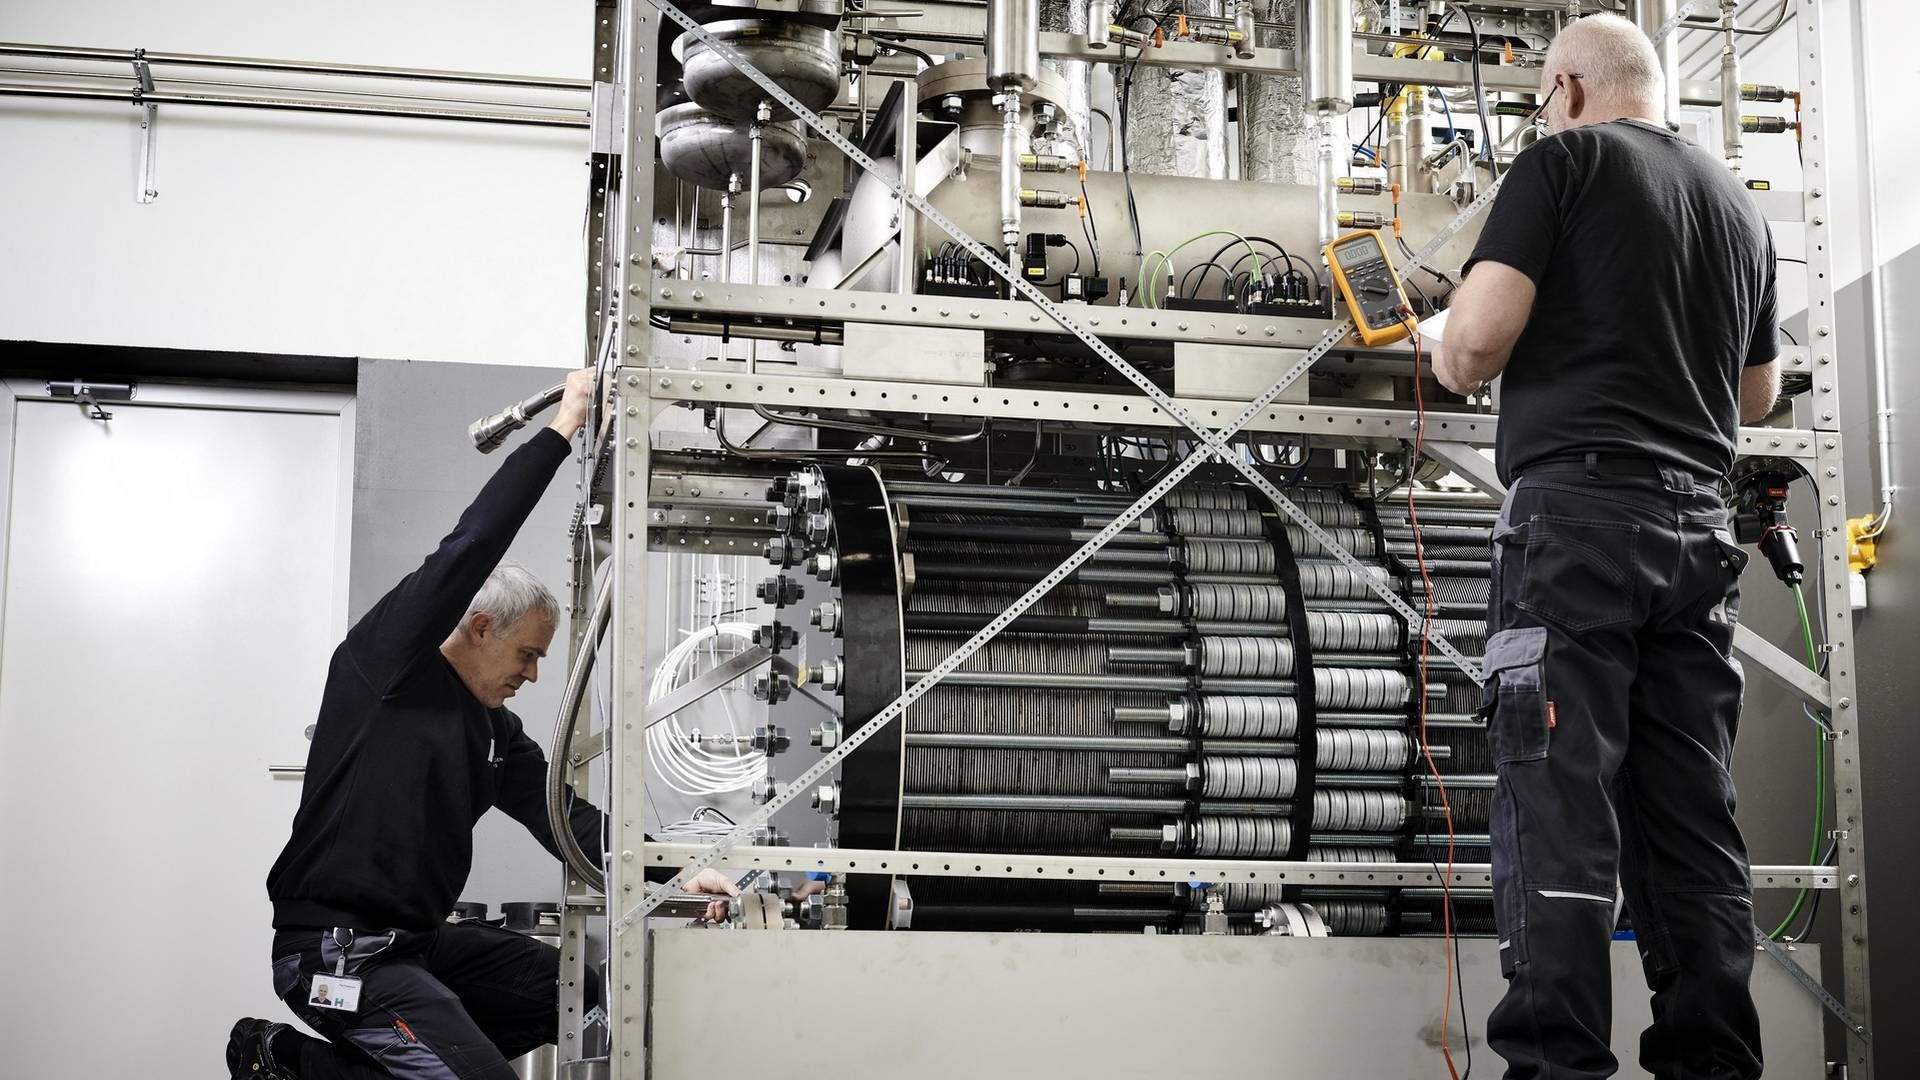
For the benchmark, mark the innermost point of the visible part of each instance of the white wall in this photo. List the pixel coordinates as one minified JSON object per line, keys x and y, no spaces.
{"x":299,"y":233}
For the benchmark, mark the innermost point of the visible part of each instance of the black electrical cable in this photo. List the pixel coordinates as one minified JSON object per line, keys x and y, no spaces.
{"x":1460,"y":984}
{"x":1813,"y":909}
{"x":1126,"y":143}
{"x":1202,"y":268}
{"x":1479,"y":88}
{"x":1087,"y":225}
{"x":1443,"y":278}
{"x":1076,"y":262}
{"x":892,"y":41}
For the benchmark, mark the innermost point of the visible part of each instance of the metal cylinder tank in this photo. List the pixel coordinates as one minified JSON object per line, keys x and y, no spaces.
{"x":1276,"y":138}
{"x":1652,"y":15}
{"x":1013,"y":44}
{"x":706,"y":149}
{"x":1177,"y":119}
{"x":1326,"y":54}
{"x":803,"y":60}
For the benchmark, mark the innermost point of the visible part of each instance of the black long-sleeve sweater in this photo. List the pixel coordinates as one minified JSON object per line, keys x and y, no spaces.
{"x":404,"y":759}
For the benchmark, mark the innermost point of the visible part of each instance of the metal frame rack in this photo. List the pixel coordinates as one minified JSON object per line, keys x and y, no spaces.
{"x":624,"y":294}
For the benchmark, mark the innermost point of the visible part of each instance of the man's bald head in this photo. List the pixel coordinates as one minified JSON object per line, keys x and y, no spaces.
{"x":1602,"y":68}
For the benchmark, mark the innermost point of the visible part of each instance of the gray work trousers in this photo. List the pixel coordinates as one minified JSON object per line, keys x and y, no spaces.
{"x":1612,"y":701}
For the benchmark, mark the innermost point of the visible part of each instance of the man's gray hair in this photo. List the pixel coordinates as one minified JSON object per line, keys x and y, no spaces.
{"x":510,"y":594}
{"x":1614,"y":59}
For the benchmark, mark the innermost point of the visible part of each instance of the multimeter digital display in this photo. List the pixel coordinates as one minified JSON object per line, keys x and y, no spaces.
{"x":1367,"y":281}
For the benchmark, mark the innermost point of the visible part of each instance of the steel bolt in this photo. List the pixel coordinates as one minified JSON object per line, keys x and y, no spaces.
{"x":699,"y":294}
{"x":666,"y":294}
{"x":633,"y":380}
{"x":1846,"y":703}
{"x":631,"y":411}
{"x":633,"y":350}
{"x":666,"y":383}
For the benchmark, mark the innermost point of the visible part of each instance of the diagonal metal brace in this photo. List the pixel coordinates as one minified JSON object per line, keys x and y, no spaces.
{"x":1775,"y":661}
{"x":1811,"y":984}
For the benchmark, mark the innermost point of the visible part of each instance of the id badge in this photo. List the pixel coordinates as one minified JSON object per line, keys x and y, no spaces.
{"x":339,"y":992}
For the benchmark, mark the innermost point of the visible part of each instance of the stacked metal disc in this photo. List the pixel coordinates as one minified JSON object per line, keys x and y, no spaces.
{"x":1155,"y":702}
{"x":1455,"y":530}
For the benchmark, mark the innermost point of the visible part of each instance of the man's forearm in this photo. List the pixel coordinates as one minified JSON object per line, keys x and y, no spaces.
{"x":1464,"y":370}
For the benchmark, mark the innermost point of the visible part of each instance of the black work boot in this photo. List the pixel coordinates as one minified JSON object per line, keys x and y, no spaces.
{"x":250,"y":1051}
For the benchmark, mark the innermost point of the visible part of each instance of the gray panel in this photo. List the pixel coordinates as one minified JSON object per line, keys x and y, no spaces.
{"x":414,"y":472}
{"x":964,"y":1006}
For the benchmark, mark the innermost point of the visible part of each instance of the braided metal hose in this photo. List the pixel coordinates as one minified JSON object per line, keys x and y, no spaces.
{"x":579,"y":678}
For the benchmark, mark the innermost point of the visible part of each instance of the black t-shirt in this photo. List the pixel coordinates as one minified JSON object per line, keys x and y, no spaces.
{"x":1655,"y":277}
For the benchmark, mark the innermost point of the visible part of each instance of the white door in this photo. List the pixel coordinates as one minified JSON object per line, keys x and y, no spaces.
{"x":172,"y":594}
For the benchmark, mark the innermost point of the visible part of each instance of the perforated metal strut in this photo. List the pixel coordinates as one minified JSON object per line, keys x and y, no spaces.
{"x":1214,"y":442}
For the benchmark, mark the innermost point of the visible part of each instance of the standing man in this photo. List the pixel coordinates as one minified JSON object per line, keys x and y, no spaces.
{"x":413,"y":744}
{"x":1625,"y":285}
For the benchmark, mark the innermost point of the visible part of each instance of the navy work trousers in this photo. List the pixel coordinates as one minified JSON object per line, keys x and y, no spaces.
{"x":1612,"y":700}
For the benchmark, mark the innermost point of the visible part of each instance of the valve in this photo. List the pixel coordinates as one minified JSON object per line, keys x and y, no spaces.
{"x":780,"y":591}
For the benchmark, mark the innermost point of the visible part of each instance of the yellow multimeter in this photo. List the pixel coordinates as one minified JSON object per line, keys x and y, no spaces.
{"x":1365,"y":275}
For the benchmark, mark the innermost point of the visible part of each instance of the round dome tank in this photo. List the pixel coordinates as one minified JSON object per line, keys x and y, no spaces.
{"x":698,"y":146}
{"x":802,"y":60}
